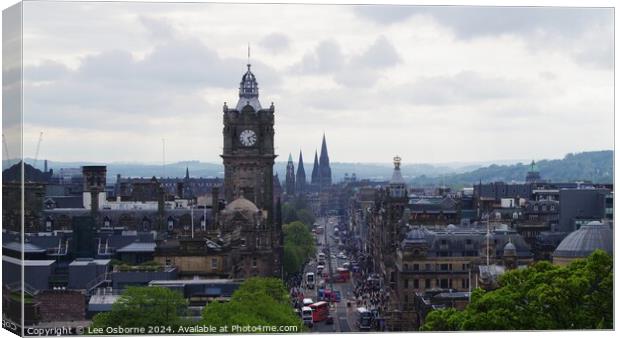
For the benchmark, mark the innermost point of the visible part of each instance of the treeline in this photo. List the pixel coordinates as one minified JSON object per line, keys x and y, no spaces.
{"x":299,"y":242}
{"x":542,"y":297}
{"x":258,"y":302}
{"x":595,"y":166}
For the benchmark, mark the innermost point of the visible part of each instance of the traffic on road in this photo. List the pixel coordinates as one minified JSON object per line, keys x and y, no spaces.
{"x":333,"y":294}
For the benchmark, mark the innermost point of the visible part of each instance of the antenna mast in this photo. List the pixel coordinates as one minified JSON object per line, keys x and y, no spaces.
{"x":36,"y":154}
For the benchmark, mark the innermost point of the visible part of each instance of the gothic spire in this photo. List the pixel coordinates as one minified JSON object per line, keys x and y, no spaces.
{"x":187,"y":173}
{"x":316,"y":177}
{"x":290,"y":176}
{"x":300,"y":178}
{"x":325,"y":169}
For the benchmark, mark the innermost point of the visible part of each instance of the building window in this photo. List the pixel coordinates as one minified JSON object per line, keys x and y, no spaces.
{"x":416,"y":267}
{"x":427,"y":283}
{"x":254,"y":262}
{"x":258,"y":242}
{"x":242,"y":241}
{"x":444,"y":267}
{"x":406,"y":286}
{"x":168,"y":262}
{"x":406,"y":267}
{"x":443,"y":283}
{"x":416,"y":283}
{"x":213,"y":263}
{"x":428,"y":267}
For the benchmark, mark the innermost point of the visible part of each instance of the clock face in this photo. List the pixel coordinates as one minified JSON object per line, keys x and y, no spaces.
{"x":247,"y":137}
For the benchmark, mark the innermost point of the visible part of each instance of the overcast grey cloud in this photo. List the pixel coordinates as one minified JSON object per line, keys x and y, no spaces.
{"x":275,"y":42}
{"x":327,"y":57}
{"x":107,"y":81}
{"x":463,"y":88}
{"x":356,"y":70}
{"x":474,"y":21}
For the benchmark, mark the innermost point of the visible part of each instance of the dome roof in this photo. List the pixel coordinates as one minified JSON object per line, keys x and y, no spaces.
{"x":418,"y":235}
{"x":582,"y":242}
{"x":510,"y":249}
{"x":241,"y":204}
{"x":248,"y":92}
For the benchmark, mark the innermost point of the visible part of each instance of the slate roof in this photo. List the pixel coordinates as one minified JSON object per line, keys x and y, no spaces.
{"x":582,"y":242}
{"x":456,"y":241}
{"x":138,"y":247}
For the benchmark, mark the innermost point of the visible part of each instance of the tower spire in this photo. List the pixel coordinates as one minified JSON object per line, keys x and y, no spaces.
{"x":290,"y":176}
{"x":300,"y":178}
{"x":325,"y":169}
{"x":315,"y":169}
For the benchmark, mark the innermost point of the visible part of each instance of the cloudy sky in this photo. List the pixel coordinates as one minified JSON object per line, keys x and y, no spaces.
{"x":107,"y":81}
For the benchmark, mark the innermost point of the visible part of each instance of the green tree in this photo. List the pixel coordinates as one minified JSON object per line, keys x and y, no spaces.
{"x":293,"y":258}
{"x":258,"y":301}
{"x":306,"y":216}
{"x":143,"y":307}
{"x":299,"y":246}
{"x":542,"y":297}
{"x":297,"y":210}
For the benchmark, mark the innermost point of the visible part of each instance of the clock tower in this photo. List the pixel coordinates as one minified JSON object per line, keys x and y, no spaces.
{"x":249,"y":148}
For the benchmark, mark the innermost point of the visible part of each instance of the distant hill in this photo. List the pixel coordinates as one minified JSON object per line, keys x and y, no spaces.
{"x":596,"y":166}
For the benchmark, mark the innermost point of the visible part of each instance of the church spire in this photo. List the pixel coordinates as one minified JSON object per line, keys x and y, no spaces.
{"x":325,"y":169}
{"x":290,"y":176}
{"x":300,"y":178}
{"x":316,"y":177}
{"x":187,"y":173}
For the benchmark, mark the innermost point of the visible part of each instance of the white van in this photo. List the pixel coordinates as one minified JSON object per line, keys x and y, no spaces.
{"x":306,"y":315}
{"x":307,"y":301}
{"x":310,"y":280}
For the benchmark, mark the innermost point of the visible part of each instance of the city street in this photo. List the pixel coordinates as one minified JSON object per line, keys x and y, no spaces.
{"x":344,"y":316}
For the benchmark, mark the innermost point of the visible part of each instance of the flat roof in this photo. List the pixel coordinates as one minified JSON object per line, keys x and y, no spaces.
{"x":27,"y":247}
{"x":138,"y":247}
{"x":84,"y":262}
{"x":29,"y":262}
{"x":195,"y":281}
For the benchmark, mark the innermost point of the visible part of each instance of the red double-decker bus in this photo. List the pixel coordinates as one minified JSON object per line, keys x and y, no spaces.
{"x":320,"y":311}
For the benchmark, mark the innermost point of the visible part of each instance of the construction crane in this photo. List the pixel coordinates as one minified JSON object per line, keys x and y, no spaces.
{"x":36,"y":154}
{"x":6,"y":151}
